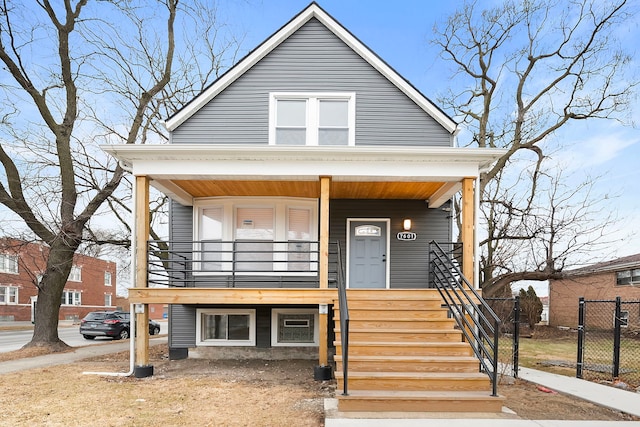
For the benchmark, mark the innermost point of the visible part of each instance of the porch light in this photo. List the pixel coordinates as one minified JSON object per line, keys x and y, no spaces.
{"x":406,"y":224}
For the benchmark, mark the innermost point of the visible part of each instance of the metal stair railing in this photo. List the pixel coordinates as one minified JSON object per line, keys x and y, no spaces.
{"x":468,"y":309}
{"x":344,"y":320}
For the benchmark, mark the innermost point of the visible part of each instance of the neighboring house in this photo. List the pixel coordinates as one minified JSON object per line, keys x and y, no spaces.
{"x":91,"y":285}
{"x":602,"y":281}
{"x":309,"y":164}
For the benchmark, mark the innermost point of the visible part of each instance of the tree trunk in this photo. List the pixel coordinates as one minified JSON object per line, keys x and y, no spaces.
{"x":59,"y":262}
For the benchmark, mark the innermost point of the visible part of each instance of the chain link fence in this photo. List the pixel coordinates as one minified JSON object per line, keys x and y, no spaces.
{"x":508,"y":310}
{"x":609,"y":341}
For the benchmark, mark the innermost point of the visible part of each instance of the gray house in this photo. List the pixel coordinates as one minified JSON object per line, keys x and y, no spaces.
{"x":308,"y":170}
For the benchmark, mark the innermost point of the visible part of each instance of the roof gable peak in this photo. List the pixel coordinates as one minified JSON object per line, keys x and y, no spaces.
{"x":257,"y":54}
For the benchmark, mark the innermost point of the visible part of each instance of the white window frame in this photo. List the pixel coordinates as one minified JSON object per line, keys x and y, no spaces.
{"x":76,"y":297}
{"x":281,"y":224}
{"x":107,"y":278}
{"x":75,"y":275}
{"x":251,"y":342}
{"x":312,"y":113}
{"x":7,"y":291}
{"x":110,"y":297}
{"x":275,"y":324}
{"x":9,"y":264}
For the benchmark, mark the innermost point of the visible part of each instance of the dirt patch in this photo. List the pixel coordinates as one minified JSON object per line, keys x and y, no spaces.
{"x":526,"y":400}
{"x":213,"y":393}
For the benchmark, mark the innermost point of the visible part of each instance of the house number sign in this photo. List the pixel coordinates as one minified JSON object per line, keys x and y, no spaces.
{"x":406,"y":235}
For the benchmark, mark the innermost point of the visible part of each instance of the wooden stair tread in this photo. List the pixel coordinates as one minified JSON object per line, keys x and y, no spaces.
{"x":453,"y":376}
{"x":403,"y":330}
{"x":407,"y":358}
{"x":354,"y":343}
{"x":392,"y":294}
{"x":426,"y":394}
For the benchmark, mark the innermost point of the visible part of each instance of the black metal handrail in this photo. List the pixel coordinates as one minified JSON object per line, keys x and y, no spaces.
{"x":344,"y":320}
{"x":234,"y":263}
{"x":469,"y":310}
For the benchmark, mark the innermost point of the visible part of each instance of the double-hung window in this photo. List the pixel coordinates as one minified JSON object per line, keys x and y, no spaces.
{"x":71,"y":298}
{"x":76,"y":274}
{"x":8,"y":263}
{"x":8,"y":295}
{"x":312,"y":119}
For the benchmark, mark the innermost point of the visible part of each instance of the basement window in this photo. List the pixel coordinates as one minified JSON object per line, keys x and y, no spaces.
{"x":221,"y":327}
{"x":294,"y":327}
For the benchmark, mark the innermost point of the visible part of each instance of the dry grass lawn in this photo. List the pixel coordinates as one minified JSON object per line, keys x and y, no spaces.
{"x":190,"y":392}
{"x":197,"y":392}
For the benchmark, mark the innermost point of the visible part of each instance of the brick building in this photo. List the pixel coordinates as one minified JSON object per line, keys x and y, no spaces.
{"x":156,"y":311}
{"x":91,"y":285}
{"x":602,"y":281}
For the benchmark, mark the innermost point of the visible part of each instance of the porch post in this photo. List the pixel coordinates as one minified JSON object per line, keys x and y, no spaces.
{"x":467,"y":232}
{"x":325,"y":184}
{"x":142,"y":368}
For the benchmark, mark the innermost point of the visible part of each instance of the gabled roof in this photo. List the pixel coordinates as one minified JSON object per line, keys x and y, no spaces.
{"x":624,"y":263}
{"x":312,"y":11}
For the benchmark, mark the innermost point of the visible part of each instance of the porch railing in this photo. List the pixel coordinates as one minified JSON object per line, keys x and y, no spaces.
{"x":344,"y":320}
{"x":241,"y":263}
{"x":474,"y":317}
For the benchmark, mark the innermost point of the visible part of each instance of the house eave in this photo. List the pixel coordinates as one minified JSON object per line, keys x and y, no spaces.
{"x":205,"y":161}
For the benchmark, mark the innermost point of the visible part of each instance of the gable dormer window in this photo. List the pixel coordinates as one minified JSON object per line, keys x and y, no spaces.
{"x":312,"y":119}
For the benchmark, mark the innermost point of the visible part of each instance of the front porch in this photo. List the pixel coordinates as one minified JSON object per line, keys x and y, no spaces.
{"x":254,"y":229}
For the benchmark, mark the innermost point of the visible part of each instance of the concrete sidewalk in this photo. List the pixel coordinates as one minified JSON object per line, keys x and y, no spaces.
{"x":603,"y":395}
{"x":619,"y":400}
{"x":79,"y":353}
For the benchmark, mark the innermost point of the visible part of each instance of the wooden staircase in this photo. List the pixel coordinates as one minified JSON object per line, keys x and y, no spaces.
{"x":406,"y":356}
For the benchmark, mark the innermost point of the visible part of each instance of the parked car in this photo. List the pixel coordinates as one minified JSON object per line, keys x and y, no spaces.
{"x":115,"y":324}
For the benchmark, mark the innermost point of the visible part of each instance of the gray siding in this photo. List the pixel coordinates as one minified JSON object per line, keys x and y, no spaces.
{"x":409,"y":259}
{"x":182,"y":326}
{"x":312,"y":59}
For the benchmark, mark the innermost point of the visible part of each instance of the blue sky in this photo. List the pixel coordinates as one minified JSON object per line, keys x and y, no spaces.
{"x":399,"y":32}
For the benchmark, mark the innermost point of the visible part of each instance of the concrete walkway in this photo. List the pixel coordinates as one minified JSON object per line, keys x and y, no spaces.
{"x":79,"y":353}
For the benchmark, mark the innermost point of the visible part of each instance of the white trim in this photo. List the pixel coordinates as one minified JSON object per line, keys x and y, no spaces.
{"x":312,"y":113}
{"x":205,"y":161}
{"x":243,"y":343}
{"x":388,"y":259}
{"x":313,"y":11}
{"x":274,"y":326}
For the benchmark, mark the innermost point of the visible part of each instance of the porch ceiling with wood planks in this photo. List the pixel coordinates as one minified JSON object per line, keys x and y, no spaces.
{"x":311,"y":189}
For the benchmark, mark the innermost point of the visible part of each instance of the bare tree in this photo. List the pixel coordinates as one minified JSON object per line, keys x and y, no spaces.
{"x":76,"y":74}
{"x":529,"y":69}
